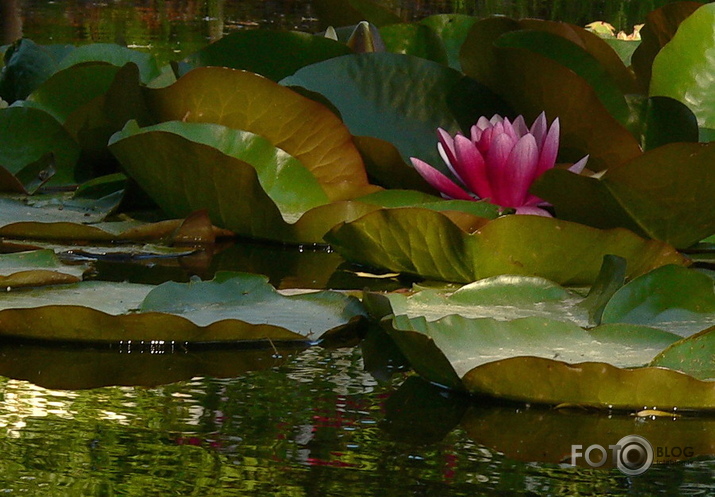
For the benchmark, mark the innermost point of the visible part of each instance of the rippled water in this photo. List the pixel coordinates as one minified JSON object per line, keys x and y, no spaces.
{"x":308,"y":422}
{"x":316,"y":425}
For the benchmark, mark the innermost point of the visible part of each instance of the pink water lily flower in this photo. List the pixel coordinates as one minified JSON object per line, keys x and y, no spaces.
{"x":498,"y":163}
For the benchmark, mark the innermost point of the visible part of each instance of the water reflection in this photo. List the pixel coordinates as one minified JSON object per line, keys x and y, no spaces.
{"x":315,"y":425}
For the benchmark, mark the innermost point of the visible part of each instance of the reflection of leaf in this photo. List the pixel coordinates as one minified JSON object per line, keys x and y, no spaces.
{"x":528,"y":434}
{"x":242,"y":100}
{"x":133,"y":364}
{"x":426,"y":243}
{"x":242,"y":307}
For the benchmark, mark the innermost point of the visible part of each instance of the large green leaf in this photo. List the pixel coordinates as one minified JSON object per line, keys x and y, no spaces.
{"x":27,"y":66}
{"x":452,"y":29}
{"x":36,"y":268}
{"x":683,"y":70}
{"x":242,"y":100}
{"x":670,"y":297}
{"x":241,"y":307}
{"x":663,"y":194}
{"x":533,"y":83}
{"x":660,"y":27}
{"x":285,"y":180}
{"x":414,"y":39}
{"x":426,"y":243}
{"x":696,"y":353}
{"x":273,"y":54}
{"x":369,"y":91}
{"x":29,"y":134}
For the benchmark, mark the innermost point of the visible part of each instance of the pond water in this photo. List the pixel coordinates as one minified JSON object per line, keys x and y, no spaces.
{"x":344,"y":421}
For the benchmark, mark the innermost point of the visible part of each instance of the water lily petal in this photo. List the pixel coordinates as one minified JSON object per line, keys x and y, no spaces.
{"x":520,"y":126}
{"x":483,"y":123}
{"x":517,"y":174}
{"x":439,"y":181}
{"x":578,"y":166}
{"x":533,"y":211}
{"x":539,"y":129}
{"x":549,"y":149}
{"x":471,"y":167}
{"x":499,"y":177}
{"x":445,"y":147}
{"x":509,"y":130}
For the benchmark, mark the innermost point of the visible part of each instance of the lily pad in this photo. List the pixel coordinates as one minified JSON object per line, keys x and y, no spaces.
{"x":241,"y":307}
{"x":452,"y":30}
{"x":115,"y":55}
{"x":29,"y":134}
{"x":414,"y":39}
{"x":662,"y":194}
{"x":426,"y":243}
{"x":36,"y":268}
{"x":27,"y":66}
{"x":246,"y":101}
{"x":369,"y":91}
{"x":273,"y":54}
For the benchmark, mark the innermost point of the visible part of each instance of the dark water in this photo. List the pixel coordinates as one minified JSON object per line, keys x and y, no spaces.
{"x":308,"y":422}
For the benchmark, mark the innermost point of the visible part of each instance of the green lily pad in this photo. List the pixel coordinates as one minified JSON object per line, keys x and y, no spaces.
{"x":242,"y":307}
{"x":29,"y":134}
{"x":273,"y":54}
{"x":452,"y":29}
{"x":696,"y":353}
{"x":414,"y":39}
{"x":27,"y":66}
{"x":292,"y":188}
{"x":426,"y":243}
{"x":672,"y":298}
{"x":660,"y":26}
{"x":369,"y":91}
{"x":532,"y":83}
{"x":303,"y":128}
{"x":37,"y":268}
{"x":682,"y":70}
{"x":662,"y":194}
{"x":546,"y":361}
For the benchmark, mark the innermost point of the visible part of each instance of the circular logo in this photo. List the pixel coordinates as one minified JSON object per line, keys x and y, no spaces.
{"x":635,"y":455}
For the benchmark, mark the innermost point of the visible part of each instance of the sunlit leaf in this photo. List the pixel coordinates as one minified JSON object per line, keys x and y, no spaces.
{"x":426,"y":243}
{"x":241,"y":100}
{"x":683,"y":71}
{"x":243,"y":308}
{"x":694,"y":354}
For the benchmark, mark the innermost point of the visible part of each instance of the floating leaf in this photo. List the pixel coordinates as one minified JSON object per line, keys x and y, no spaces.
{"x":303,"y":128}
{"x":532,"y":83}
{"x":243,"y":307}
{"x":683,"y":71}
{"x":28,"y":135}
{"x":452,"y":29}
{"x":284,"y":179}
{"x":695,"y":354}
{"x":369,"y":91}
{"x":36,"y":268}
{"x":27,"y":66}
{"x":660,"y":27}
{"x":273,"y":54}
{"x":426,"y":243}
{"x":414,"y":39}
{"x":662,"y":194}
{"x":657,"y":299}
